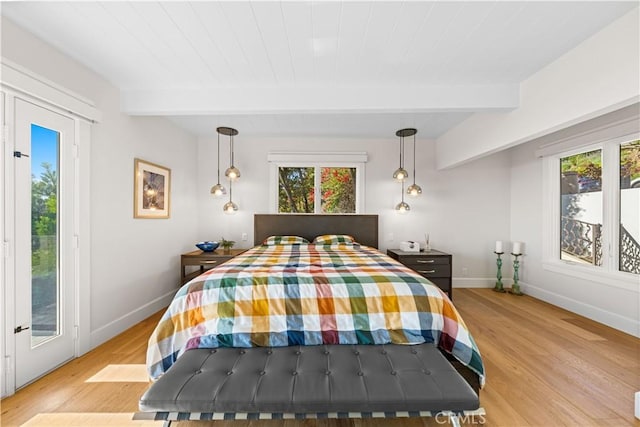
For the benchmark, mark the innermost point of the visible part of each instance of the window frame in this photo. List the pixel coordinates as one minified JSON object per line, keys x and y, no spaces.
{"x":608,"y":273}
{"x":317,"y":160}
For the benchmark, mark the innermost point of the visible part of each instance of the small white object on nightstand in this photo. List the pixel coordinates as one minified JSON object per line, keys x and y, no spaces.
{"x":638,"y":405}
{"x":409,"y":246}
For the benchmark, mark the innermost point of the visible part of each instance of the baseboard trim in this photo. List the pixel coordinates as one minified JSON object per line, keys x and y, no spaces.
{"x":614,"y":320}
{"x":478,"y":282}
{"x":126,"y":321}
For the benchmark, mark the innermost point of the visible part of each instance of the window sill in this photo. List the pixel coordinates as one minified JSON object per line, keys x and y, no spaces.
{"x":616,"y":279}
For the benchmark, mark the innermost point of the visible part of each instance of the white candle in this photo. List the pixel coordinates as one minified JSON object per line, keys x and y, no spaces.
{"x":517,"y":248}
{"x":499,"y":246}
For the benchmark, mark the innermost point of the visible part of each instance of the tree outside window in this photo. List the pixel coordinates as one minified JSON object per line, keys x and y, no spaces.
{"x":296,"y":190}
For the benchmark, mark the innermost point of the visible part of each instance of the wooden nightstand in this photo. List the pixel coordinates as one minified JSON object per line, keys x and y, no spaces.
{"x":206,"y":261}
{"x":434,"y":265}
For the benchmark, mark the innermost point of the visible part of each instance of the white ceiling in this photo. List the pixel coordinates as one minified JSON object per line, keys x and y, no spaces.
{"x":324,"y":68}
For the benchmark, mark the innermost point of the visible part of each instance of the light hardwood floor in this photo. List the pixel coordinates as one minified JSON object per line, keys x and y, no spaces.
{"x":545,"y":367}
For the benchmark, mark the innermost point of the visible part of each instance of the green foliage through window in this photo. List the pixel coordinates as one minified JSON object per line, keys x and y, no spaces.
{"x":582,"y":173}
{"x":296,"y":190}
{"x":630,"y":164}
{"x":44,"y":213}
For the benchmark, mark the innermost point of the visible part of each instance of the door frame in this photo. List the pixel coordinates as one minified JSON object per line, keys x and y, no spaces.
{"x":19,"y":82}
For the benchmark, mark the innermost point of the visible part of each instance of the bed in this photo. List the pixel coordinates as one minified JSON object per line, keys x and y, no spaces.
{"x":330,"y":329}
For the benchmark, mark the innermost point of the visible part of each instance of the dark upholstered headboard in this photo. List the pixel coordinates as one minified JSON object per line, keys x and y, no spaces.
{"x":364,"y":228}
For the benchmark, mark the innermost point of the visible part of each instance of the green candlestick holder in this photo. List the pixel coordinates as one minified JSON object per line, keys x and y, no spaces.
{"x":515,"y":289}
{"x":499,"y":287}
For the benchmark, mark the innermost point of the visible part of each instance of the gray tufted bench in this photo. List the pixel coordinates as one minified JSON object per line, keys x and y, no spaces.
{"x":310,"y":382}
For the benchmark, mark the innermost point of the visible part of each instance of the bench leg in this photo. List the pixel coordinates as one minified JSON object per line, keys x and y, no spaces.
{"x":167,"y":423}
{"x":454,"y":420}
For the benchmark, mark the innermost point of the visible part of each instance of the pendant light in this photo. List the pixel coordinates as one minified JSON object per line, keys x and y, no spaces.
{"x":401,"y":174}
{"x":403,"y":207}
{"x":218,"y":190}
{"x":232,"y":172}
{"x":414,"y":189}
{"x":230,"y":208}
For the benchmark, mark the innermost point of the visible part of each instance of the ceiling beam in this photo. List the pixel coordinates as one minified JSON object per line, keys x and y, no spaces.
{"x":256,"y":100}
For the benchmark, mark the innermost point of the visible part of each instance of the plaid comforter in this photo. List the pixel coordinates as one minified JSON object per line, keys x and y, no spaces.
{"x":284,"y":295}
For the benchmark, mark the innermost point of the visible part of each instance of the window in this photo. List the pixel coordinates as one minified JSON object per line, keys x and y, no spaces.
{"x":581,"y":207}
{"x":629,"y":248}
{"x":594,"y":207}
{"x":296,"y":190}
{"x":338,"y":190}
{"x":327,"y":183}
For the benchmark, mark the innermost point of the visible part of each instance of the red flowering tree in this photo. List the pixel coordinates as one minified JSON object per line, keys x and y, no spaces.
{"x":337,"y":186}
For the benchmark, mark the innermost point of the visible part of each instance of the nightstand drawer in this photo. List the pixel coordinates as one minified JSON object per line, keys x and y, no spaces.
{"x":423,"y":261}
{"x":433,"y":270}
{"x":206,"y":261}
{"x":433,"y":265}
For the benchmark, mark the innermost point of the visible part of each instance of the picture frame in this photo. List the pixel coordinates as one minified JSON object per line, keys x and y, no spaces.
{"x":151,"y":190}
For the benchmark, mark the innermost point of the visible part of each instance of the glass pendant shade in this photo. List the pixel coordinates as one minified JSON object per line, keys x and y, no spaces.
{"x":232,"y":173}
{"x":402,"y":207}
{"x":230,"y":208}
{"x":414,"y":190}
{"x":218,"y":190}
{"x":400,"y":174}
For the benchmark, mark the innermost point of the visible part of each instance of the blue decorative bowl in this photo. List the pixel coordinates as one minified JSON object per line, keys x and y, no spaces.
{"x":207,"y":246}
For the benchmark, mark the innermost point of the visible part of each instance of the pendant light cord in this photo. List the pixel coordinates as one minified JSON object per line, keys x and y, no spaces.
{"x":414,"y":159}
{"x":218,"y":157}
{"x":231,"y":150}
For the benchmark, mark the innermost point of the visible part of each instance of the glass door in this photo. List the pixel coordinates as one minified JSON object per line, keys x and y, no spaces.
{"x":44,"y":255}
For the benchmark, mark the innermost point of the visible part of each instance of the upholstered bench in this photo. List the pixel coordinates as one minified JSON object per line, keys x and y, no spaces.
{"x":327,"y":381}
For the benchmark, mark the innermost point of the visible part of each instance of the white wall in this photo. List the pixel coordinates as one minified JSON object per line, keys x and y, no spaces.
{"x":614,"y":306}
{"x":134,"y":262}
{"x":464,"y":209}
{"x":598,"y":76}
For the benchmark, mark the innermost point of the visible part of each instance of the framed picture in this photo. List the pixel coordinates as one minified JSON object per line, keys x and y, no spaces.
{"x":151,"y":191}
